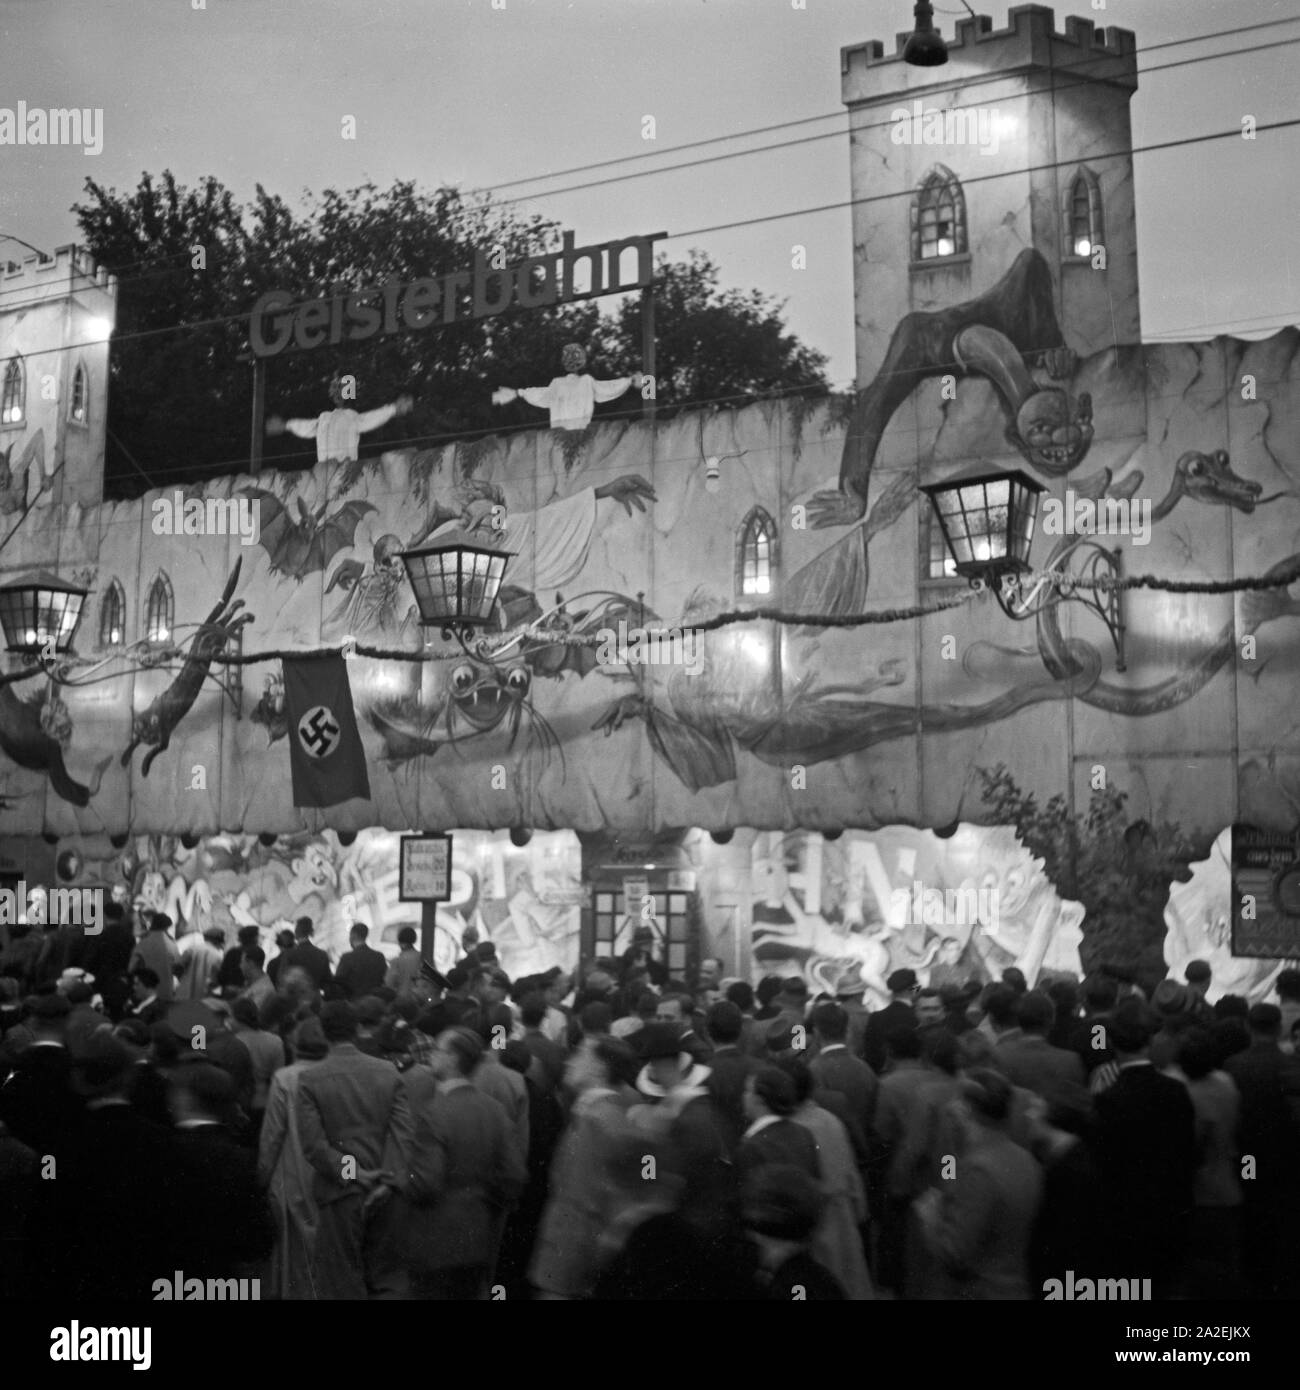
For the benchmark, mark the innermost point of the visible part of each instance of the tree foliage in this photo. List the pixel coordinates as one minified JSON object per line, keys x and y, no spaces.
{"x":1119,"y":870}
{"x":181,"y":397}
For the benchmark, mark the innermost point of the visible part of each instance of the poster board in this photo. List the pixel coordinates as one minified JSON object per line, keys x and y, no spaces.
{"x":1265,"y":893}
{"x":634,"y":890}
{"x":424,"y":868}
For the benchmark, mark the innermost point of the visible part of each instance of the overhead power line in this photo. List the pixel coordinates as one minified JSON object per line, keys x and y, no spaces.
{"x":1061,"y":81}
{"x":838,"y":113}
{"x":839,"y":206}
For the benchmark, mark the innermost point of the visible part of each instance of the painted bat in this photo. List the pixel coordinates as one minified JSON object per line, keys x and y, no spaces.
{"x":304,"y":546}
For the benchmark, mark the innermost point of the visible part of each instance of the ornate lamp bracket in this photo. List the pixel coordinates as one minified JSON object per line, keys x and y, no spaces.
{"x":1095,"y":586}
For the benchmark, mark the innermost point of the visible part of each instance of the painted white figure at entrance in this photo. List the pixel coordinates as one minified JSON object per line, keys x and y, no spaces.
{"x":572,"y":398}
{"x":338,"y":432}
{"x":789,"y":940}
{"x":1035,"y":930}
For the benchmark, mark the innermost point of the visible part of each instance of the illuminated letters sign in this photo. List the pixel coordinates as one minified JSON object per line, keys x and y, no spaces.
{"x":278,"y":324}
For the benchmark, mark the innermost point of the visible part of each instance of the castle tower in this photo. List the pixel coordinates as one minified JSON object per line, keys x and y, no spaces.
{"x":1022,"y":139}
{"x":56,"y":316}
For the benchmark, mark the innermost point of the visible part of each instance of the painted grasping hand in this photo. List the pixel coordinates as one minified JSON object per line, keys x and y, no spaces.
{"x":835,"y":509}
{"x":629,"y":490}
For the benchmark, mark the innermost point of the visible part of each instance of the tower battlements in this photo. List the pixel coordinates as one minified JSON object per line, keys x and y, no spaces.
{"x":69,"y":269}
{"x":1029,"y":42}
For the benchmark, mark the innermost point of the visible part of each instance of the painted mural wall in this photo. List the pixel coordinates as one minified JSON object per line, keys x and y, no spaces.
{"x":771,"y":727}
{"x":527,"y":900}
{"x":950,"y":907}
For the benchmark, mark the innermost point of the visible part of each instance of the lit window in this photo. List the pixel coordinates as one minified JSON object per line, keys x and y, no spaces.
{"x":1083,"y":230}
{"x":756,"y":556}
{"x":937,"y":561}
{"x":938,"y":217}
{"x":13,"y":401}
{"x":112,"y":616}
{"x":159,"y":611}
{"x":78,"y":409}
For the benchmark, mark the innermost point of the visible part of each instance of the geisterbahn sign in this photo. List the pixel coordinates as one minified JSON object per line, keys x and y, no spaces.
{"x":278,"y":324}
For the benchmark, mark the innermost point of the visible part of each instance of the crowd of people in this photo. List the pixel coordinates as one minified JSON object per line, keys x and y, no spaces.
{"x":370,"y":1128}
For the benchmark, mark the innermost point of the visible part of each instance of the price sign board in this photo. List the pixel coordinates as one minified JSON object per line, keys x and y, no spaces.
{"x":425,"y":869}
{"x":1265,"y":893}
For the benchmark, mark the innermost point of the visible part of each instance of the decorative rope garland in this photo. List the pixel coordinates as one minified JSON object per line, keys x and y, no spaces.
{"x":548,"y":637}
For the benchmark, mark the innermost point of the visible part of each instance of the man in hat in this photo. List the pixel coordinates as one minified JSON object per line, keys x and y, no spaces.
{"x":352,"y":1109}
{"x":264,"y":1048}
{"x":112,"y":1205}
{"x":782,"y":1206}
{"x":679,"y":1010}
{"x":640,"y":954}
{"x":220,"y":1046}
{"x":836,"y":1069}
{"x":729,"y":1066}
{"x":257,"y":983}
{"x":224,"y":1222}
{"x":284,"y":944}
{"x":230,"y":978}
{"x":157,"y":950}
{"x":495,"y":1026}
{"x":770,"y":1100}
{"x":792,"y":1002}
{"x":681,"y":1116}
{"x":371,"y":1013}
{"x":947,"y":970}
{"x":850,"y":990}
{"x":145,"y":1002}
{"x":362,"y":968}
{"x":1172,"y":1005}
{"x":306,"y":955}
{"x":978,"y":1227}
{"x":87,"y":1015}
{"x":1146,"y":1156}
{"x":36,"y":1104}
{"x":465,"y":1172}
{"x":897,"y":1016}
{"x":1030,"y":1061}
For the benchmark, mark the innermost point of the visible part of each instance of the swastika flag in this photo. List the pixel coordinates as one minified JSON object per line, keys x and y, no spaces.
{"x":325,"y":753}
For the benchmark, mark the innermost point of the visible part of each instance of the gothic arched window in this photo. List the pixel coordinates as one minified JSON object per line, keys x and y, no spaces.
{"x":756,"y":557}
{"x":13,"y":402}
{"x":938,"y":216}
{"x":159,"y":610}
{"x":1084,"y":229}
{"x":112,"y":617}
{"x":79,"y":404}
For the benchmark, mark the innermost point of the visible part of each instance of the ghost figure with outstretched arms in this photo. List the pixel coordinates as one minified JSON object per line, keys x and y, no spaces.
{"x":571,"y":398}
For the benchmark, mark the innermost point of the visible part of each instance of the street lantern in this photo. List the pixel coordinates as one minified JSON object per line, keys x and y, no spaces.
{"x":988,"y":520}
{"x":925,"y":48}
{"x":456,"y":583}
{"x":40,"y":610}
